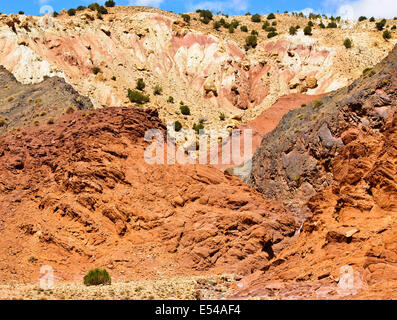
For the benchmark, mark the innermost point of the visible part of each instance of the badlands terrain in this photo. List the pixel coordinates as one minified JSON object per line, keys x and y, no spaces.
{"x":76,"y":192}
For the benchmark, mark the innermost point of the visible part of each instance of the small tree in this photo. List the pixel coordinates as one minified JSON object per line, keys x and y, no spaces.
{"x":177,"y":126}
{"x":265,"y":25}
{"x":272,"y":34}
{"x":244,"y":28}
{"x":251,"y":41}
{"x":110,"y":3}
{"x":347,"y":43}
{"x":96,"y":70}
{"x":217,"y":25}
{"x":307,"y":31}
{"x":222,"y":117}
{"x":186,"y":18}
{"x":386,"y":35}
{"x":362,"y":18}
{"x":271,"y":16}
{"x":372,"y":19}
{"x":72,"y":12}
{"x":292,"y":31}
{"x":185,"y":110}
{"x":381,"y":24}
{"x":157,"y":90}
{"x":97,"y":277}
{"x":256,"y":18}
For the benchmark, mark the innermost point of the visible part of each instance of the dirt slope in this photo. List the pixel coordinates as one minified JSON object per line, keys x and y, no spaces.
{"x":27,"y":105}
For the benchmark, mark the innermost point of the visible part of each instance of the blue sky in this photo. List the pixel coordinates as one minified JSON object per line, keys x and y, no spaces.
{"x":348,"y":8}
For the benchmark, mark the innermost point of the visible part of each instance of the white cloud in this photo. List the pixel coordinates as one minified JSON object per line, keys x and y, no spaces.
{"x":353,"y":9}
{"x":146,"y":3}
{"x":233,"y":5}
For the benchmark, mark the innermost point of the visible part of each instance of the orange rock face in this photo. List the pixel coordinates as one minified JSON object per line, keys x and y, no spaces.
{"x":81,"y":195}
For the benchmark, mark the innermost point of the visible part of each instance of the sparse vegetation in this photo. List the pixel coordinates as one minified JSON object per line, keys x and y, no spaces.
{"x":256,"y":18}
{"x":271,"y":16}
{"x":177,"y":126}
{"x":170,"y":99}
{"x":137,"y":97}
{"x":347,"y":43}
{"x":222,"y":117}
{"x":372,"y":19}
{"x":380,"y":25}
{"x":251,"y":41}
{"x":307,"y":31}
{"x":157,"y":90}
{"x":205,"y":15}
{"x":50,"y":121}
{"x":386,"y":35}
{"x":198,"y":127}
{"x":244,"y":28}
{"x":265,"y":25}
{"x":96,"y":70}
{"x":317,"y":103}
{"x":3,"y":121}
{"x":70,"y":110}
{"x":217,"y":25}
{"x":97,"y":277}
{"x":272,"y":34}
{"x":186,"y":18}
{"x":72,"y":12}
{"x":369,"y":72}
{"x":185,"y":110}
{"x":292,"y":30}
{"x":140,"y":84}
{"x":332,"y":25}
{"x":110,"y":3}
{"x":362,"y":18}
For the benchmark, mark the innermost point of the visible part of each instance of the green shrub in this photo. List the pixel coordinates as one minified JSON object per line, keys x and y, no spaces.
{"x":81,"y":8}
{"x":157,"y":90}
{"x":393,"y":27}
{"x":372,"y":19}
{"x":21,"y":12}
{"x":381,"y":24}
{"x":198,"y":127}
{"x":140,"y":84}
{"x":386,"y":35}
{"x":137,"y":97}
{"x":362,"y":18}
{"x":322,"y":25}
{"x":265,"y":25}
{"x":186,"y":18}
{"x":292,"y":31}
{"x":272,"y":34}
{"x":307,"y":31}
{"x":222,"y":117}
{"x":97,"y":277}
{"x":347,"y":43}
{"x":217,"y":25}
{"x":368,"y":72}
{"x":177,"y":126}
{"x":185,"y":110}
{"x":206,"y":14}
{"x":231,"y":29}
{"x":274,"y":23}
{"x":251,"y":41}
{"x":110,"y":3}
{"x":310,"y":23}
{"x":94,"y":6}
{"x":271,"y":16}
{"x":96,"y":70}
{"x":72,"y":12}
{"x":254,"y":32}
{"x":332,"y":25}
{"x":244,"y":28}
{"x":114,"y":78}
{"x":170,"y":99}
{"x":256,"y":18}
{"x":102,"y":10}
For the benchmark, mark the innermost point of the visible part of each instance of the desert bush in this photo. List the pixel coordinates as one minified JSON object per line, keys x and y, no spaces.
{"x":114,"y":78}
{"x":186,"y":18}
{"x":231,"y":29}
{"x":265,"y":25}
{"x":94,"y":6}
{"x":21,"y":12}
{"x":292,"y":31}
{"x":332,"y":25}
{"x":110,"y":3}
{"x":254,"y":32}
{"x":271,"y":16}
{"x":97,"y":277}
{"x":372,"y":19}
{"x":244,"y":28}
{"x":393,"y":27}
{"x":274,"y":23}
{"x":96,"y":70}
{"x":256,"y":18}
{"x":137,"y":97}
{"x":157,"y":90}
{"x":321,"y":25}
{"x":51,"y":121}
{"x":386,"y":35}
{"x":81,"y":8}
{"x":368,"y":72}
{"x":271,"y":29}
{"x":307,"y":31}
{"x":222,"y":117}
{"x":251,"y":41}
{"x":362,"y":18}
{"x":185,"y":110}
{"x":198,"y":127}
{"x":170,"y":99}
{"x":177,"y":126}
{"x":140,"y":84}
{"x":380,"y":25}
{"x":347,"y":43}
{"x":217,"y":25}
{"x":272,"y":34}
{"x":72,"y":12}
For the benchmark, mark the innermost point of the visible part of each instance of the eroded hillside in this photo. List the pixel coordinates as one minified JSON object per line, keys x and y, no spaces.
{"x":208,"y":70}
